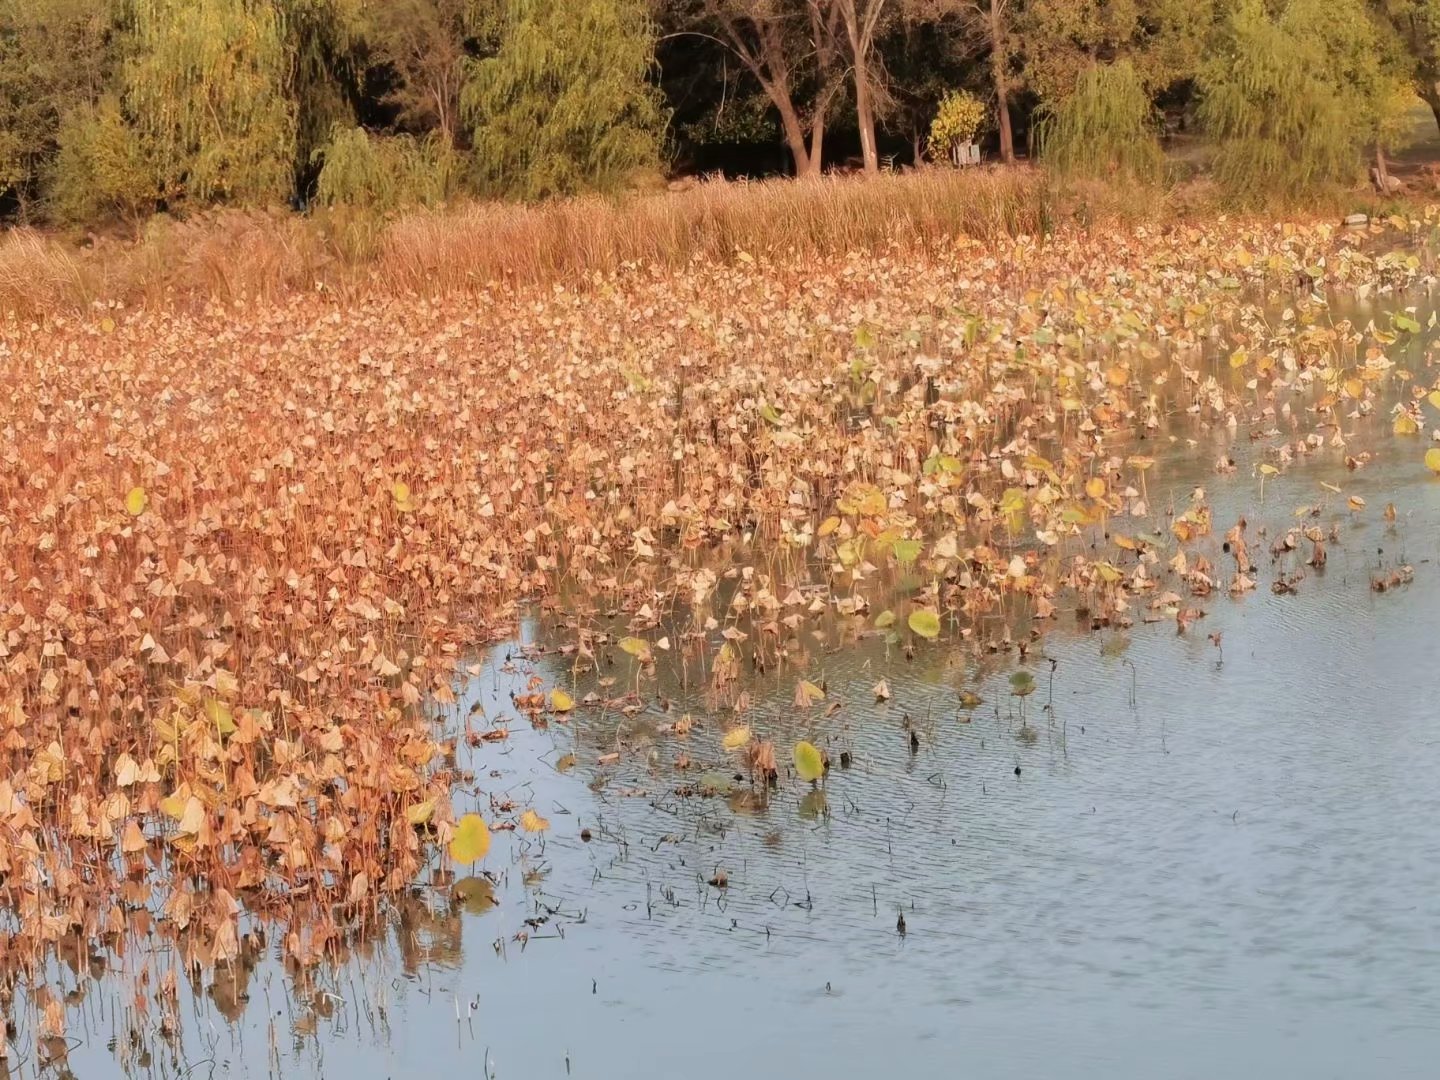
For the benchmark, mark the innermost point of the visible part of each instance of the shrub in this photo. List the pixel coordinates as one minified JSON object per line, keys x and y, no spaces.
{"x":100,"y":169}
{"x":956,"y":123}
{"x":384,"y":172}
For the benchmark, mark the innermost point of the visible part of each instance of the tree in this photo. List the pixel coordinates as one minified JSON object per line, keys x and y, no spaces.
{"x":1161,"y":40}
{"x":1104,"y":128}
{"x":55,"y":57}
{"x":1416,"y":24}
{"x":863,"y":20}
{"x":324,"y":42}
{"x":1295,"y":99}
{"x":428,"y":44}
{"x":787,"y":46}
{"x":566,"y":104}
{"x":205,"y":89}
{"x":989,"y":27}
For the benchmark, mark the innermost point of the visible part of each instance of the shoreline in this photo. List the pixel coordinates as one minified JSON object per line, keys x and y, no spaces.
{"x":235,"y":256}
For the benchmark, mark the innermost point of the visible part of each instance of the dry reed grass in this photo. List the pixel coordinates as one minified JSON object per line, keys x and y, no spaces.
{"x":221,"y":256}
{"x":716,"y":222}
{"x":232,"y":255}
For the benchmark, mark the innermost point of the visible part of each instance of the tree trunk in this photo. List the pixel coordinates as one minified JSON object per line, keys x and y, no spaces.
{"x":817,"y":145}
{"x":1002,"y":113}
{"x":794,"y":137}
{"x":1382,"y":171}
{"x":1002,"y":91}
{"x":1431,"y":93}
{"x":865,"y":117}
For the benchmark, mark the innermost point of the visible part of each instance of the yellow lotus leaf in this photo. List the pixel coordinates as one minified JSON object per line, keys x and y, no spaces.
{"x":220,"y":715}
{"x":636,"y":647}
{"x":873,"y":503}
{"x":925,"y":623}
{"x":135,"y":501}
{"x":809,"y":764}
{"x":530,"y":821}
{"x":560,"y":701}
{"x":471,"y":840}
{"x":737,"y":737}
{"x":807,"y":694}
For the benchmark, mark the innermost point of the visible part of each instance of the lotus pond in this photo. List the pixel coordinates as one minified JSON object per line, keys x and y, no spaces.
{"x":1107,"y":642}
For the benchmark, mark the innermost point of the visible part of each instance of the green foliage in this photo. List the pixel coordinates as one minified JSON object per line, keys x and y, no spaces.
{"x":956,"y":123}
{"x":1295,"y":100}
{"x":53,"y":58}
{"x":1105,"y":129}
{"x":115,"y":107}
{"x":205,"y":89}
{"x":1163,"y":40}
{"x":100,"y":170}
{"x":742,"y":119}
{"x":426,"y":45}
{"x":566,"y":104}
{"x":325,"y":45}
{"x":385,"y":172}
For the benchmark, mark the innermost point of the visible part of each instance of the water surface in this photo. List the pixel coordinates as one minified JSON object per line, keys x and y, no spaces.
{"x":1173,"y":859}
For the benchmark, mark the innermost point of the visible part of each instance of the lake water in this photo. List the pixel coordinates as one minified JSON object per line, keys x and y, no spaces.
{"x":1184,"y":860}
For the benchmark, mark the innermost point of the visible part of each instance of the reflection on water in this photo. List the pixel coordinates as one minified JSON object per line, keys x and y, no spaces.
{"x":1176,"y":857}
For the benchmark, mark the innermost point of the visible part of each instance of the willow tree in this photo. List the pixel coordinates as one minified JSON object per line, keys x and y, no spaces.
{"x":205,"y":89}
{"x":1296,"y":100}
{"x":326,"y":46}
{"x":1104,"y":128}
{"x":566,"y":104}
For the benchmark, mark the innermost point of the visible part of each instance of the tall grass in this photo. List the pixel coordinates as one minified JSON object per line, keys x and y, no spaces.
{"x":566,"y":240}
{"x":232,"y":256}
{"x":223,"y":256}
